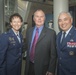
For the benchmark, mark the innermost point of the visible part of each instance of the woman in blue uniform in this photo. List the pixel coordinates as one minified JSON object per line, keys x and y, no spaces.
{"x":11,"y":44}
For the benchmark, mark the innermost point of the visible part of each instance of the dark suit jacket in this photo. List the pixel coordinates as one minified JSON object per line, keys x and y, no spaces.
{"x":10,"y":54}
{"x":67,"y":53}
{"x":45,"y":52}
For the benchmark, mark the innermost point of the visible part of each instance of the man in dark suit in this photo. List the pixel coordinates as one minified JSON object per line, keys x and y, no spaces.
{"x":66,"y":49}
{"x":11,"y":48}
{"x":44,"y":61}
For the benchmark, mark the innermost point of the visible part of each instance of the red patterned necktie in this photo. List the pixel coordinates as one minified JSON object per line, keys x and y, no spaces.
{"x":33,"y":46}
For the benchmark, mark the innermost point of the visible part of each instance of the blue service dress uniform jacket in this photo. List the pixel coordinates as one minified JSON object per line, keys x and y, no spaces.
{"x":10,"y":54}
{"x":67,"y":54}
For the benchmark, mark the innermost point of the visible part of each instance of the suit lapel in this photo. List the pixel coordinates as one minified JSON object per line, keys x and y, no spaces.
{"x":43,"y":32}
{"x":30,"y":35}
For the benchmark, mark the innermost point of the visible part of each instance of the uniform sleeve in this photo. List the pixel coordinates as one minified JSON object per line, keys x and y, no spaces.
{"x":3,"y":49}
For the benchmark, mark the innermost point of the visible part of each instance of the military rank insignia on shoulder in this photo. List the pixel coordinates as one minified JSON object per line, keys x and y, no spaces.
{"x":5,"y":32}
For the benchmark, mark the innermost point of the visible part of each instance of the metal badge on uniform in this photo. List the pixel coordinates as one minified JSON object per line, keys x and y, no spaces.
{"x":12,"y":40}
{"x":71,"y":53}
{"x":71,"y":40}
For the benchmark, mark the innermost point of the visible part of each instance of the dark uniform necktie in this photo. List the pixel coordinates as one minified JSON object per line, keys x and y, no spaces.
{"x":33,"y":46}
{"x":63,"y":38}
{"x":18,"y":37}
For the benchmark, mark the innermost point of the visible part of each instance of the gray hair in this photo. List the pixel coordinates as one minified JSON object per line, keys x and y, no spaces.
{"x":39,"y":10}
{"x":65,"y":12}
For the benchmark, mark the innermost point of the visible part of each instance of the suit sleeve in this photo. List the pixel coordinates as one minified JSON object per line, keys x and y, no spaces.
{"x":3,"y":49}
{"x":53,"y":54}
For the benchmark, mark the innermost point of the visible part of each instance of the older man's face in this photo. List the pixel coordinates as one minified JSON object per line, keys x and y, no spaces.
{"x":64,"y":21}
{"x":39,"y":18}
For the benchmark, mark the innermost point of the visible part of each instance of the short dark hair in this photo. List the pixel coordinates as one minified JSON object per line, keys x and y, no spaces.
{"x":15,"y":15}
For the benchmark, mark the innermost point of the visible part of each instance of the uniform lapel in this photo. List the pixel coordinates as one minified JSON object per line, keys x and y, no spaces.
{"x":58,"y":40}
{"x":68,"y":37}
{"x":14,"y":36}
{"x":40,"y":37}
{"x":21,"y":38}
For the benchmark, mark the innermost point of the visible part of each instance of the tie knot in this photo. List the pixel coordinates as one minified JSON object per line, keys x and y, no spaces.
{"x":64,"y":34}
{"x":37,"y":29}
{"x":17,"y":34}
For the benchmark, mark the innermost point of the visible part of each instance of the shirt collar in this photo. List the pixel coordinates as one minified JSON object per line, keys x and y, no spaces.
{"x":15,"y":32}
{"x":40,"y":28}
{"x":67,"y":31}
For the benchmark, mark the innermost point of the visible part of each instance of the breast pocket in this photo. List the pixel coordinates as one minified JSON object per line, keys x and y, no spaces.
{"x":12,"y":45}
